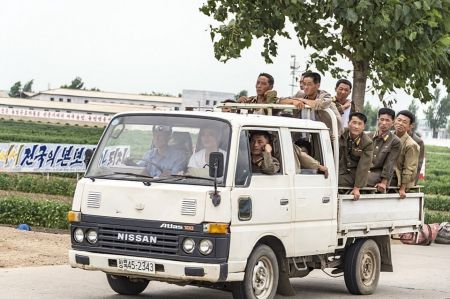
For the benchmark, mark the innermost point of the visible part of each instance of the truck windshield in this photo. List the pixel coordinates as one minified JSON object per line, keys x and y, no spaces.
{"x":160,"y":148}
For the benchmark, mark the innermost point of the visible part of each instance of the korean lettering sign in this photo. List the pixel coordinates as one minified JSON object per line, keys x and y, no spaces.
{"x":38,"y":157}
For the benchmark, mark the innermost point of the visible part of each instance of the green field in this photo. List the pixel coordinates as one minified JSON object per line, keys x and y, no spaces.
{"x":436,"y":184}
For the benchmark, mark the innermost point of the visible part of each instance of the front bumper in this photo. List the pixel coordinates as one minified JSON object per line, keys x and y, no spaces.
{"x":165,"y":270}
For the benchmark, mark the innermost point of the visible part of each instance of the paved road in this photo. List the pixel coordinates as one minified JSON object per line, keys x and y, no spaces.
{"x":419,"y":272}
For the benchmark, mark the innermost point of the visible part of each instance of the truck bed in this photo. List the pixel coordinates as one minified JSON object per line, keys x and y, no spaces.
{"x":379,"y":214}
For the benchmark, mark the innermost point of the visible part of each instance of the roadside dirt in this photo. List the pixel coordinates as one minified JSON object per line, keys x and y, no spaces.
{"x":32,"y":248}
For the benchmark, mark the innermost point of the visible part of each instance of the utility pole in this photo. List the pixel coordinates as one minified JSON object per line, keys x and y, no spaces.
{"x":293,"y":68}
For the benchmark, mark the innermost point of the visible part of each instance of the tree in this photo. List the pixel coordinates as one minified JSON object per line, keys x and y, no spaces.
{"x":395,"y":44}
{"x":28,"y":86}
{"x":242,"y":93}
{"x":372,"y":116}
{"x":16,"y":90}
{"x":76,"y":83}
{"x":438,"y":112}
{"x":414,"y":108}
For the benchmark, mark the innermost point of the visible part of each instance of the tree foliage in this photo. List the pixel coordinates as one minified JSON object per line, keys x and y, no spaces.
{"x":372,"y":116}
{"x":414,"y":108}
{"x":16,"y":90}
{"x":395,"y":44}
{"x":438,"y":112}
{"x":76,"y":83}
{"x":28,"y":87}
{"x":242,"y":93}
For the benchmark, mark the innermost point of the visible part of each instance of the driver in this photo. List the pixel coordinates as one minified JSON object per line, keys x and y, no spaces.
{"x":162,"y":159}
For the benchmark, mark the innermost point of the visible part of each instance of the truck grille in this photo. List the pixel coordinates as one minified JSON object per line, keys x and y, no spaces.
{"x":166,"y":243}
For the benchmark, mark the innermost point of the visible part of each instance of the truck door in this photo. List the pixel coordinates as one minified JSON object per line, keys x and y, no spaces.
{"x":261,"y":203}
{"x":314,"y":203}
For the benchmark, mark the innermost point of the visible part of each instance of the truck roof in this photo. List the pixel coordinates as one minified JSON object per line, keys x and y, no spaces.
{"x":243,"y":119}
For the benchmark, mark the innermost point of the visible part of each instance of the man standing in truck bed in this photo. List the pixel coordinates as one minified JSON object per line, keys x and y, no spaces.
{"x":355,"y":154}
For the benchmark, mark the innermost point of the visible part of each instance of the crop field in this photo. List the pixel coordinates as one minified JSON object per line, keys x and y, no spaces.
{"x":13,"y":210}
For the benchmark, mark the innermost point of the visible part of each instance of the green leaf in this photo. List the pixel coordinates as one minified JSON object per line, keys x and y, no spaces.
{"x":445,"y":40}
{"x":351,"y":15}
{"x":412,"y":36}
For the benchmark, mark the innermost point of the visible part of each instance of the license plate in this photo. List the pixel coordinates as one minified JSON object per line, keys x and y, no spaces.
{"x":136,"y":265}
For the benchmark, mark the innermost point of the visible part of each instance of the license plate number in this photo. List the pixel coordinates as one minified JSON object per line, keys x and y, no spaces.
{"x":136,"y":265}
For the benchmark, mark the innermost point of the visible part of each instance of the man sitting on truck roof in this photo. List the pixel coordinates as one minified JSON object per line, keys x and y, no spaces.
{"x":264,"y":92}
{"x":406,"y":167}
{"x":355,"y":154}
{"x":315,"y":98}
{"x":262,"y":159}
{"x":162,"y":159}
{"x":385,"y":152}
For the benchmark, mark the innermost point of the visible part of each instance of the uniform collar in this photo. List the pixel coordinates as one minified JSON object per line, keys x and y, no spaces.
{"x":384,"y":136}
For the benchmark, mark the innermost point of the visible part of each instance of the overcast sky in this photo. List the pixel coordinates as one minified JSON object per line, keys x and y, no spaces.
{"x":131,"y":46}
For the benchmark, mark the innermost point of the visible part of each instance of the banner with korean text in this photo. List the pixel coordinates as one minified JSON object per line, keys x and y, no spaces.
{"x":39,"y":157}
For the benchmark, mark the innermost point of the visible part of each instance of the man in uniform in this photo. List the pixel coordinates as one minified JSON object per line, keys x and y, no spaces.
{"x":385,"y":152}
{"x":315,"y":98}
{"x":261,"y":150}
{"x":406,"y":167}
{"x":419,"y":141}
{"x":341,"y":101}
{"x":264,"y":91}
{"x":355,"y":154}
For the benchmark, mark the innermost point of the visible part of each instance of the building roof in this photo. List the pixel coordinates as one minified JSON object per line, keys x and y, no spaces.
{"x":90,"y":107}
{"x":108,"y":95}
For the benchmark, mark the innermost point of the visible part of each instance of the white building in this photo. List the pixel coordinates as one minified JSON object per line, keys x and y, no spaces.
{"x":79,"y":96}
{"x":202,"y":99}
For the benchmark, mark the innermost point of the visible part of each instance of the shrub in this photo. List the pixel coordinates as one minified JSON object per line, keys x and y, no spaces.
{"x":436,"y":216}
{"x":49,"y":214}
{"x":437,"y":202}
{"x":37,"y":184}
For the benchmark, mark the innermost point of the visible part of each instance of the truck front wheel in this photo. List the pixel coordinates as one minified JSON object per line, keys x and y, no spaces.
{"x":261,"y":276}
{"x":126,"y":286}
{"x":362,"y":267}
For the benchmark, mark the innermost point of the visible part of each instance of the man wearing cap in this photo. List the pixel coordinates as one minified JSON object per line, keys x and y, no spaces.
{"x":315,"y":98}
{"x":355,"y":154}
{"x":385,"y":152}
{"x":162,"y":159}
{"x":264,"y":92}
{"x":406,"y":166}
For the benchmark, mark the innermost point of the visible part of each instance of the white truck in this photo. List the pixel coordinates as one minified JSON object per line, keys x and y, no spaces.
{"x":226,"y":227}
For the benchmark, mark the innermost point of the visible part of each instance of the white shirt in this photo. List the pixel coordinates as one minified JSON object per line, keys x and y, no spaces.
{"x":198,"y":159}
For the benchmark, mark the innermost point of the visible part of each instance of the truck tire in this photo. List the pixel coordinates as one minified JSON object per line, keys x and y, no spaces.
{"x":261,"y":275}
{"x":126,"y":286}
{"x":362,"y":267}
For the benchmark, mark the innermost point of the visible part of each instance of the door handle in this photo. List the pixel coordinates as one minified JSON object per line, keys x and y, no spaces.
{"x":284,"y":201}
{"x":326,"y":199}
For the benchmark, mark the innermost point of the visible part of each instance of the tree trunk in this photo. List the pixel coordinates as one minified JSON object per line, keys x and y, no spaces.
{"x":435,"y":133}
{"x":360,"y":70}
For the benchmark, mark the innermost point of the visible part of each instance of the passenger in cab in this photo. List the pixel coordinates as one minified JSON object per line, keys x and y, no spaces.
{"x":385,"y":152}
{"x":162,"y":159}
{"x":406,"y":166}
{"x":209,"y":141}
{"x":315,"y":98}
{"x":355,"y":155}
{"x":341,"y":101}
{"x":261,"y":154}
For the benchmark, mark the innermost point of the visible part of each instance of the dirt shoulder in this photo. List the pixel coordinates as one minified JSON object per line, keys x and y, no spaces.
{"x":32,"y":248}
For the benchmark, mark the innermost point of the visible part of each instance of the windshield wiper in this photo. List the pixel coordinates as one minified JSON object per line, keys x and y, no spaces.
{"x":120,"y":173}
{"x":185,"y":176}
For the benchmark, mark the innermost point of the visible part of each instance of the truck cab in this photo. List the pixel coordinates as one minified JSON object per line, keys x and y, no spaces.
{"x":221,"y":225}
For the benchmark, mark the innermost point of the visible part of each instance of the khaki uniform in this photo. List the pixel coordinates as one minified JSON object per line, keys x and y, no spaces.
{"x":355,"y":158}
{"x":385,"y":153}
{"x":406,"y":168}
{"x":323,"y":101}
{"x":419,"y":141}
{"x":270,"y":97}
{"x":266,"y":164}
{"x":303,"y":160}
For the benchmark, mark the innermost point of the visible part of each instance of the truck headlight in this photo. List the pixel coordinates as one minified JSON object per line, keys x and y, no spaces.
{"x":188,"y":245}
{"x":206,"y":246}
{"x":78,"y":235}
{"x":91,"y":236}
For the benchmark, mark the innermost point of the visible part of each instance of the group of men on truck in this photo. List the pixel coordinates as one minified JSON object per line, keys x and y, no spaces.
{"x":378,"y":159}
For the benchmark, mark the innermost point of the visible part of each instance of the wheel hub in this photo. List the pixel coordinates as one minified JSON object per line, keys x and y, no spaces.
{"x":262,"y":278}
{"x":368,"y":268}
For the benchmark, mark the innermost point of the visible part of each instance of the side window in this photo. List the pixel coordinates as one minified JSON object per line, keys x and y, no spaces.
{"x":307,"y":152}
{"x":243,"y":167}
{"x":272,"y":139}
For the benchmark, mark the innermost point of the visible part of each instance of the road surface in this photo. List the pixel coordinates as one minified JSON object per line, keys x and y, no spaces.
{"x":419,"y":272}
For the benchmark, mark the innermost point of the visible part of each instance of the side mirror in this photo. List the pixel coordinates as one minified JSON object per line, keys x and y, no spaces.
{"x":88,"y":156}
{"x":216,"y":161}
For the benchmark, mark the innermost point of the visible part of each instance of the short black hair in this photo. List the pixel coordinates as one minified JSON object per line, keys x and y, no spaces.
{"x":268,"y":76}
{"x":315,"y":76}
{"x":359,"y":115}
{"x":229,"y":101}
{"x":344,"y":81}
{"x":261,"y":133}
{"x":387,"y":111}
{"x":408,"y":114}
